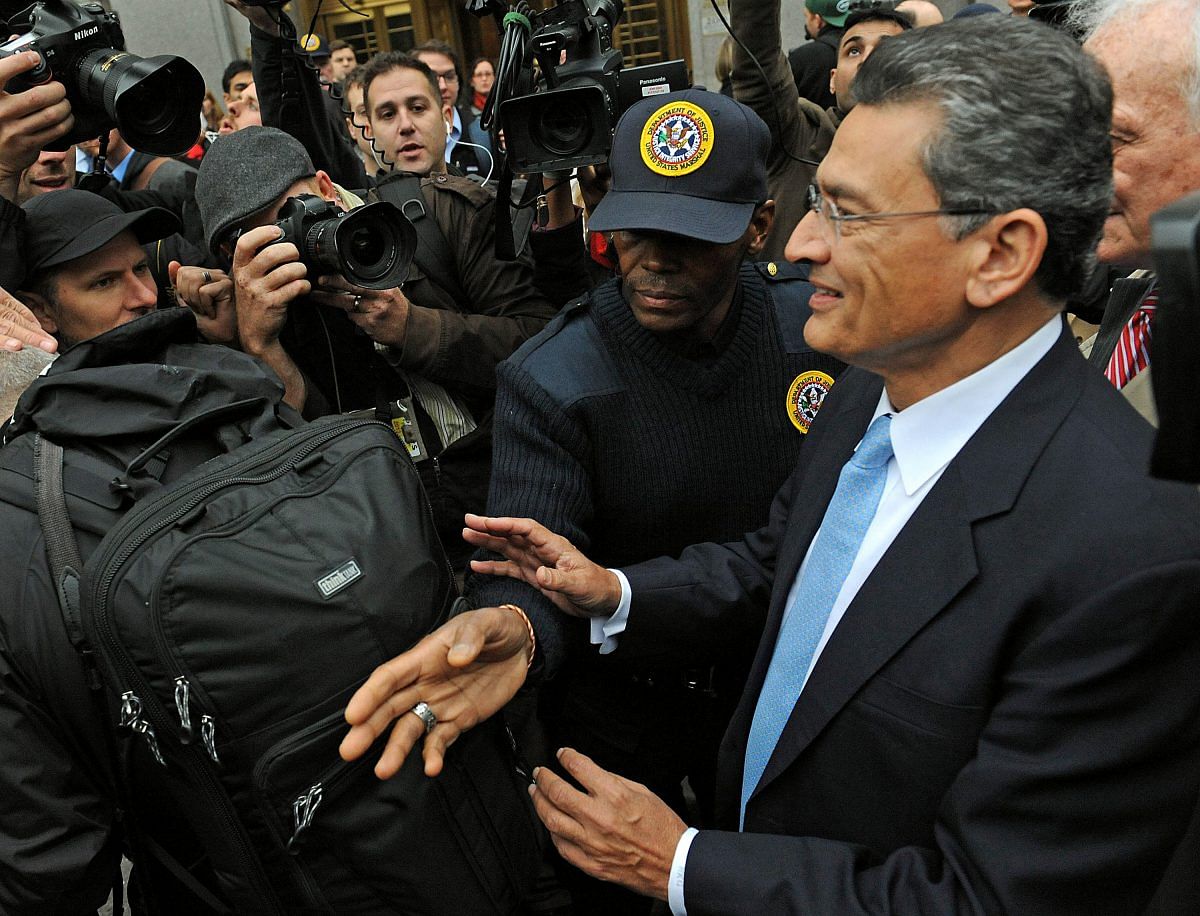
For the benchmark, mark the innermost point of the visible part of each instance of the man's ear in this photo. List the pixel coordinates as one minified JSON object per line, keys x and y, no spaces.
{"x":448,"y":117}
{"x":832,"y":77}
{"x":760,"y":227}
{"x":1004,"y":254}
{"x":325,"y":186}
{"x":42,"y":310}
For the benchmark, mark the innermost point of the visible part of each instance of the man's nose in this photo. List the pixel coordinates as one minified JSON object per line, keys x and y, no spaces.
{"x":142,"y":291}
{"x":807,"y":241}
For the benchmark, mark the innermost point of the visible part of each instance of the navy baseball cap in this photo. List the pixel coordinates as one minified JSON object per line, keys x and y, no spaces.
{"x":64,"y":225}
{"x":691,"y":163}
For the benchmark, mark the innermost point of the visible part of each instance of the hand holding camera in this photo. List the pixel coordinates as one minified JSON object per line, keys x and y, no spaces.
{"x":154,"y":101}
{"x":29,"y":121}
{"x":382,"y":314}
{"x":267,"y":276}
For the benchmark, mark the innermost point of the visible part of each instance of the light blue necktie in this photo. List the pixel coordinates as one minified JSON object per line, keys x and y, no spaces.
{"x":847,"y":518}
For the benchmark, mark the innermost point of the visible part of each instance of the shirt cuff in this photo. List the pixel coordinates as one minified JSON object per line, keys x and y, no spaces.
{"x":605,"y":630}
{"x":678,"y":868}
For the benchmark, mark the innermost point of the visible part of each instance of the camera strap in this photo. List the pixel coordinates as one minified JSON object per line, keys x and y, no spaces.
{"x":433,"y":255}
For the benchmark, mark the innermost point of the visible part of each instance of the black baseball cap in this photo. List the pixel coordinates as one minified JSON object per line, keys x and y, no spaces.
{"x":691,"y":163}
{"x":61,"y":226}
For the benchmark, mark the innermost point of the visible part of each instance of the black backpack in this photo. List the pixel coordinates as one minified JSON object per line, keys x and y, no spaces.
{"x":231,"y":612}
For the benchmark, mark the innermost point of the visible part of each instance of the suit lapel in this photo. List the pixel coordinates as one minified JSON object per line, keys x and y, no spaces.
{"x":932,"y":558}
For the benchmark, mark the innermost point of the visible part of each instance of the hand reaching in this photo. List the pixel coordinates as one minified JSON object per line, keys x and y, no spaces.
{"x":19,"y":328}
{"x":209,"y":294}
{"x":547,"y":561}
{"x":465,"y":671}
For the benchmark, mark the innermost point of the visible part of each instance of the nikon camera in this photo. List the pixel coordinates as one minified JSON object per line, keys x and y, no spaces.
{"x":372,"y":246}
{"x":154,"y":102}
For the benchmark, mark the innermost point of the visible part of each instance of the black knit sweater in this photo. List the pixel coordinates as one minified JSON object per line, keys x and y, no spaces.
{"x":632,"y":451}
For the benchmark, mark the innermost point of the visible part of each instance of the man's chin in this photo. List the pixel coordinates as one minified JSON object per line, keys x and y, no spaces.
{"x":1119,"y":248}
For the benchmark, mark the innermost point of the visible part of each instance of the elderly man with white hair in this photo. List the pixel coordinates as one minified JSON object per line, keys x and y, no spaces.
{"x":1156,"y":160}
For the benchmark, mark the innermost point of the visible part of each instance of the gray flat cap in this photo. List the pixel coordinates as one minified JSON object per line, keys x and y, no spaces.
{"x":245,"y":173}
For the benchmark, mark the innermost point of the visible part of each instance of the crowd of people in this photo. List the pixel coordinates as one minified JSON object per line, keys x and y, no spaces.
{"x":794,"y":469}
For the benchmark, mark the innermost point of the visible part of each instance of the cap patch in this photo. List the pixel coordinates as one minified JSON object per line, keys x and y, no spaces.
{"x":677,"y":139}
{"x":310,"y":42}
{"x":805,"y":396}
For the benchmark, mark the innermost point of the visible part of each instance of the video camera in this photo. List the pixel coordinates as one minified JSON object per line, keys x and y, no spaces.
{"x":154,"y":102}
{"x":565,"y":117}
{"x":1175,"y":238}
{"x":372,"y":246}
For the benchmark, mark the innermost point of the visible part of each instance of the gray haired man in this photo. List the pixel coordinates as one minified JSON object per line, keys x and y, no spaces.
{"x":1156,"y":160}
{"x":971,"y":695}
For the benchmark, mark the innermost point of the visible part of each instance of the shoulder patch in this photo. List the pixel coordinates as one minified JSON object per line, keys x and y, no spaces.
{"x":805,"y":396}
{"x":472,"y":191}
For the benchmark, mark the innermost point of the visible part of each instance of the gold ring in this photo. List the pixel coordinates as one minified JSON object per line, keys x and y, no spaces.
{"x":207,"y":277}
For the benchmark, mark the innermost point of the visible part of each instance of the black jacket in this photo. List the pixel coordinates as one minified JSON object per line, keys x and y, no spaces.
{"x":58,"y":842}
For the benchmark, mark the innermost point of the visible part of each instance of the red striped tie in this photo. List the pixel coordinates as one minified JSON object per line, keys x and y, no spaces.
{"x":1132,"y":354}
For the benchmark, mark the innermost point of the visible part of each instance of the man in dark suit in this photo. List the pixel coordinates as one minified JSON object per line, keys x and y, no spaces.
{"x":972,"y":695}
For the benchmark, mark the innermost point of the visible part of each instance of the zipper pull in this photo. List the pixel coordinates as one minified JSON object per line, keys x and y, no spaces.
{"x":183,"y":708}
{"x":303,"y":809}
{"x":208,"y":734}
{"x":132,"y":719}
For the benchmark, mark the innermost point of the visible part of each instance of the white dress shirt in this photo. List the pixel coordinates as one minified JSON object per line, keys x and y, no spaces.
{"x":925,"y":438}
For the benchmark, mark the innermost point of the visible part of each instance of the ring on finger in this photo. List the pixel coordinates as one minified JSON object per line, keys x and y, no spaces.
{"x":357,"y":307}
{"x":207,"y":277}
{"x":426,"y":715}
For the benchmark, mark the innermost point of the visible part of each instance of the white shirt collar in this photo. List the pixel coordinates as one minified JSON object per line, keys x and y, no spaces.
{"x":927,"y":435}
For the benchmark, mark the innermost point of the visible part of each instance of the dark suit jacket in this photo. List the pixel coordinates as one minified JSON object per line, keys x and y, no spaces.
{"x":1006,"y":719}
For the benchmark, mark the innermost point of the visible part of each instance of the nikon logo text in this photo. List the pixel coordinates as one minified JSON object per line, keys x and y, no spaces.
{"x":87,"y":33}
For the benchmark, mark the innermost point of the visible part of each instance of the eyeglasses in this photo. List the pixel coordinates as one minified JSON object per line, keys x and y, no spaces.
{"x":828,"y":213}
{"x":450,"y":76}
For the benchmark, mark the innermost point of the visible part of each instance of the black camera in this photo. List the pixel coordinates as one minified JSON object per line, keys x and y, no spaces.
{"x":566,"y":118}
{"x":1175,"y":237}
{"x":154,"y":102}
{"x":371,"y":246}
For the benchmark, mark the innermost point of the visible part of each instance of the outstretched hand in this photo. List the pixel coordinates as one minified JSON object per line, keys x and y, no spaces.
{"x":20,"y":328}
{"x":549,"y":562}
{"x":465,"y":671}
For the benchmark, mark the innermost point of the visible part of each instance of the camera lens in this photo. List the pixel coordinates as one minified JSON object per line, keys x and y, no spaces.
{"x":374,"y":245}
{"x":155,"y":102}
{"x":562,"y":127}
{"x":366,"y":246}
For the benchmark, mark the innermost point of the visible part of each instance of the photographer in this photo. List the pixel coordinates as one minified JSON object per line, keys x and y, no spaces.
{"x":28,"y":121}
{"x":292,"y":99}
{"x":442,"y":348}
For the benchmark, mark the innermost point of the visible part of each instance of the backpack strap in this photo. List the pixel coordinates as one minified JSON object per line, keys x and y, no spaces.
{"x":433,"y":255}
{"x":62,"y":550}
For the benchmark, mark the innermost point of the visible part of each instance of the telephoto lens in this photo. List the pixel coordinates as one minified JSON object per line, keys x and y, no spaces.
{"x":371,"y":246}
{"x":152,"y":100}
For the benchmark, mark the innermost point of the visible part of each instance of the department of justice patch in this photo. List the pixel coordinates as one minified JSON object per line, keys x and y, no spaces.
{"x":805,"y":396}
{"x":677,"y":139}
